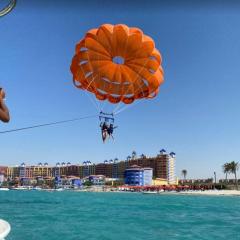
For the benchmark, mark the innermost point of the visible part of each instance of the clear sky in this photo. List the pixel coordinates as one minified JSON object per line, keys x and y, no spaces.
{"x":196,"y":114}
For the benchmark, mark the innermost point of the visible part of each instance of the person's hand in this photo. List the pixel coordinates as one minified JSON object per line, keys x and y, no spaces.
{"x":2,"y":94}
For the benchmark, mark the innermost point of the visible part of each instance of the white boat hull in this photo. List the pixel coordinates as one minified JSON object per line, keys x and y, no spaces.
{"x":5,"y":228}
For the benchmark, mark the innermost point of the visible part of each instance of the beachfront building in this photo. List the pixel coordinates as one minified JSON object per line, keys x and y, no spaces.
{"x":195,"y":181}
{"x":171,"y":178}
{"x":159,"y":164}
{"x":12,"y":172}
{"x":56,"y":170}
{"x":2,"y":178}
{"x":162,"y":167}
{"x":159,"y":182}
{"x":109,"y":168}
{"x":115,"y":169}
{"x":101,"y":168}
{"x":134,"y":176}
{"x":72,"y":170}
{"x":75,"y":182}
{"x":137,"y":176}
{"x":42,"y":170}
{"x":66,"y":169}
{"x":97,"y":179}
{"x":147,"y":176}
{"x":229,"y":181}
{"x":3,"y":174}
{"x":22,"y":171}
{"x":33,"y":172}
{"x":86,"y":169}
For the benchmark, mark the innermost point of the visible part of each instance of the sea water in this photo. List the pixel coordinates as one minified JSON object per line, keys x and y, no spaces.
{"x":36,"y":215}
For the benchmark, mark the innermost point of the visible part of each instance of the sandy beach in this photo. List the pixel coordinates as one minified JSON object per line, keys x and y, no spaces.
{"x":213,"y":192}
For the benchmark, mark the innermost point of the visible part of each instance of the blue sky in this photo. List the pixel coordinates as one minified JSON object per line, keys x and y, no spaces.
{"x":195,"y":115}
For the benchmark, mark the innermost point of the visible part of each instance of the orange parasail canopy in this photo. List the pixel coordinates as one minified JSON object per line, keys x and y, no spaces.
{"x":117,"y":63}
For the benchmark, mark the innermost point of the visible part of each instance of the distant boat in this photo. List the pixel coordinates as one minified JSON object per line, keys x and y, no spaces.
{"x":150,"y":192}
{"x":4,"y":189}
{"x":59,"y":189}
{"x":21,"y":188}
{"x":5,"y":228}
{"x":37,"y":188}
{"x":153,"y":192}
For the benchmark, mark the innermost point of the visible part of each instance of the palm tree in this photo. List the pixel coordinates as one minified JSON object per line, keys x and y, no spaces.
{"x":233,"y":169}
{"x":226,"y":169}
{"x":45,"y":164}
{"x":128,"y":158}
{"x":143,"y":155}
{"x":115,"y":160}
{"x":134,"y":154}
{"x":184,"y":173}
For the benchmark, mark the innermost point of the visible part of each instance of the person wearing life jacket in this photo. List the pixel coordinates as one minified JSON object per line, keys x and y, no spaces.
{"x":104,"y":129}
{"x":110,"y":130}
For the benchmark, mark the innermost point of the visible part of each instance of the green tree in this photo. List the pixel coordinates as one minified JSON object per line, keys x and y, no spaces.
{"x":87,"y":183}
{"x":118,"y":183}
{"x":233,"y":169}
{"x":184,"y":173}
{"x":226,"y":169}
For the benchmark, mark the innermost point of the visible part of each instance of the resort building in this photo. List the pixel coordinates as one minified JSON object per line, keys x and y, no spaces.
{"x":159,"y":182}
{"x":161,"y":167}
{"x":134,"y":176}
{"x":3,"y":170}
{"x":195,"y":181}
{"x":3,"y":174}
{"x":97,"y":179}
{"x":41,"y":170}
{"x":12,"y":172}
{"x":2,"y":177}
{"x":137,"y":176}
{"x":171,"y":178}
{"x":147,"y":176}
{"x":87,"y":169}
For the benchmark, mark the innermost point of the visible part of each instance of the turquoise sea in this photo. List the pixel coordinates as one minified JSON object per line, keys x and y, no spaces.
{"x":70,"y":215}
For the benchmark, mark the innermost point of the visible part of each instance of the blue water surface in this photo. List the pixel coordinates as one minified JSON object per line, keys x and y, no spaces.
{"x":70,"y":215}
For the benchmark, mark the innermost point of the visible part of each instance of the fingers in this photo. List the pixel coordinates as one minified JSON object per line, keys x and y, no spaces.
{"x":2,"y":93}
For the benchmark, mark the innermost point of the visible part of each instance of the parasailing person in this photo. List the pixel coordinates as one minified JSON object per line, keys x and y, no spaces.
{"x":117,"y":64}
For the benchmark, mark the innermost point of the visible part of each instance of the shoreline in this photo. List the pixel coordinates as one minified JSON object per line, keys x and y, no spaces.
{"x":213,"y":193}
{"x":194,"y":192}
